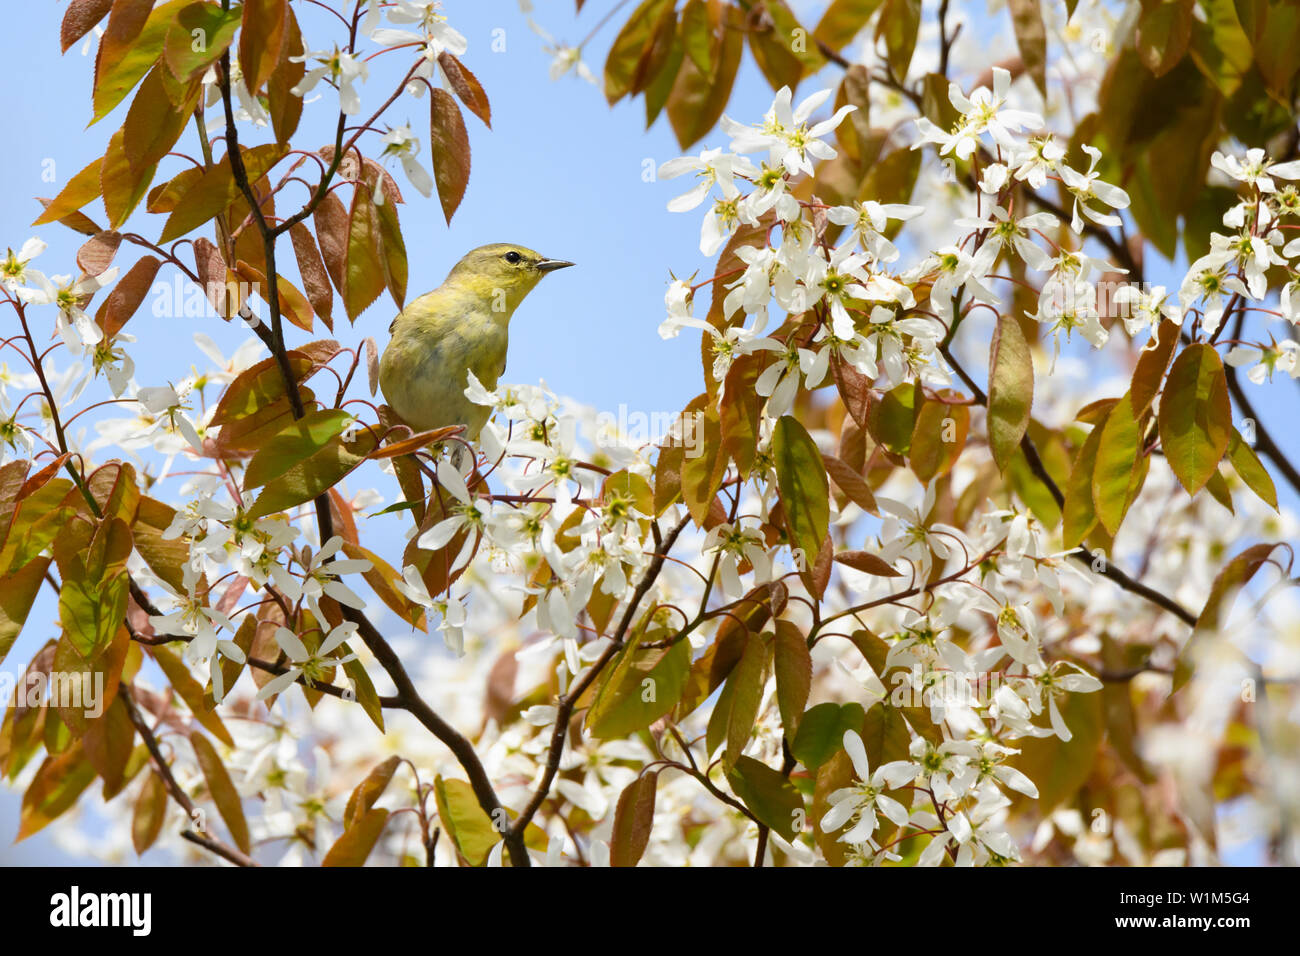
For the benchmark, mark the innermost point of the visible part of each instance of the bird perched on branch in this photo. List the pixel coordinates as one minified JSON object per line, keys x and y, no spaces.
{"x":459,"y":327}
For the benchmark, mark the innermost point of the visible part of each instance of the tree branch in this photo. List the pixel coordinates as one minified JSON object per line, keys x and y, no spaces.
{"x":174,"y":789}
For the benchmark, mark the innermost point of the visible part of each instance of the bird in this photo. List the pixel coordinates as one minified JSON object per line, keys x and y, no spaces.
{"x":460,"y":327}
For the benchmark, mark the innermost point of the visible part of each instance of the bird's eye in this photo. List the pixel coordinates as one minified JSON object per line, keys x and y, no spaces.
{"x":513,"y":257}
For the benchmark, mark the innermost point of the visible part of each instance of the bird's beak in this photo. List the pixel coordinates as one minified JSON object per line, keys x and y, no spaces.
{"x":550,"y":265}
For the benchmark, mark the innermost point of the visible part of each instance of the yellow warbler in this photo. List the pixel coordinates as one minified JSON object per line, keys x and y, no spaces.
{"x":459,"y":327}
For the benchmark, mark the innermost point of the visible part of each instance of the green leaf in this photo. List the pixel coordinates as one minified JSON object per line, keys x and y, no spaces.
{"x":364,"y":688}
{"x":624,"y":490}
{"x":40,"y":516}
{"x":899,"y":23}
{"x":656,"y":92}
{"x":108,"y":743}
{"x":772,"y":54}
{"x":635,"y":37}
{"x":122,"y":185}
{"x":92,"y":611}
{"x":216,"y":190}
{"x":935,"y":103}
{"x":469,"y":828}
{"x":833,"y":775}
{"x":149,"y":814}
{"x":875,"y":651}
{"x":1249,"y":469}
{"x":844,"y":20}
{"x":768,"y":794}
{"x":1030,"y":488}
{"x":855,"y":133}
{"x":81,"y":189}
{"x":1011,"y":389}
{"x":354,"y":846}
{"x":1220,"y":47}
{"x":697,"y":34}
{"x":312,"y":476}
{"x":704,"y":466}
{"x":218,"y":28}
{"x":1195,"y":416}
{"x":1080,"y":512}
{"x":1218,"y":488}
{"x":891,"y":419}
{"x":892,"y":178}
{"x":643,"y":685}
{"x":222,"y":790}
{"x":1113,"y":472}
{"x":699,"y":95}
{"x":821,"y":732}
{"x":794,"y":38}
{"x":18,"y":591}
{"x":369,"y":790}
{"x":392,"y":251}
{"x":632,"y":820}
{"x":126,"y":173}
{"x":166,"y":557}
{"x":805,"y":492}
{"x":734,"y":713}
{"x":363,"y":278}
{"x":937,"y":439}
{"x":59,"y":781}
{"x":298,"y":441}
{"x":885,"y":735}
{"x":132,"y":43}
{"x":165,"y":196}
{"x":183,"y":682}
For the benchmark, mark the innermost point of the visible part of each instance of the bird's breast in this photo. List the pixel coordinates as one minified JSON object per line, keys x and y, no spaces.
{"x":424,"y":370}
